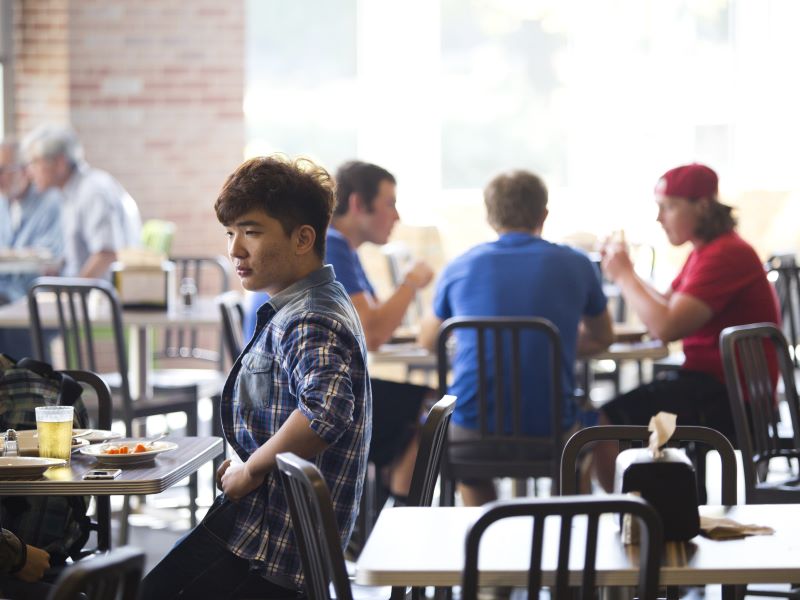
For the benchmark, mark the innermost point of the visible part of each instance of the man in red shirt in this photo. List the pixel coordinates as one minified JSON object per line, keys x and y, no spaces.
{"x":722,"y":283}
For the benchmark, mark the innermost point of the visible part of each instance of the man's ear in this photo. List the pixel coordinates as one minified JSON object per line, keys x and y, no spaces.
{"x":304,"y":238}
{"x":355,"y":203}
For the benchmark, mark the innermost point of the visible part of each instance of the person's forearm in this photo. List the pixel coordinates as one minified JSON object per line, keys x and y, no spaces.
{"x":589,"y":345}
{"x":387,"y":316}
{"x":295,"y":435}
{"x":650,"y":306}
{"x":98,"y":264}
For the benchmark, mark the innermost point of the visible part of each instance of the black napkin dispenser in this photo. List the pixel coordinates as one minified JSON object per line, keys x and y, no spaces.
{"x":669,"y":483}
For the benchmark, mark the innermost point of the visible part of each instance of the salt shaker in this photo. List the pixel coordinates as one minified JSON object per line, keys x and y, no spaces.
{"x":10,"y":447}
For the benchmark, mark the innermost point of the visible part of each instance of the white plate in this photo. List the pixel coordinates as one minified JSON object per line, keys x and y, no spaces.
{"x":96,"y":435}
{"x":26,"y":467}
{"x":120,"y":460}
{"x":28,"y":443}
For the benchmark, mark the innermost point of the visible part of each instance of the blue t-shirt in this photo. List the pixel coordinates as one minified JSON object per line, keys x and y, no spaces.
{"x":252,"y":302}
{"x":519,"y":275}
{"x":346,"y":264}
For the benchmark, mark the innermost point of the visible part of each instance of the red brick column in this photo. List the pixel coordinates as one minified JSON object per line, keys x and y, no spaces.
{"x":155,"y":90}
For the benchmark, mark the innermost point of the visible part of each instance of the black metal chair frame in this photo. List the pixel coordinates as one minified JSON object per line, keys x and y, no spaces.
{"x":630,"y":436}
{"x":115,"y":575}
{"x":753,"y":404}
{"x":311,"y":509}
{"x":76,"y":329}
{"x":787,"y":286}
{"x":102,"y":503}
{"x":521,"y":447}
{"x":182,"y":341}
{"x":567,"y":508}
{"x":232,"y":311}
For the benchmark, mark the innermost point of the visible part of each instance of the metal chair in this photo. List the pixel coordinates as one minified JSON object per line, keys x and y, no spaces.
{"x":752,"y":396}
{"x":232,"y":311}
{"x":565,"y":511}
{"x":784,"y":272}
{"x":498,"y":452}
{"x":314,"y":523}
{"x":82,"y":350}
{"x":116,"y":575}
{"x":630,"y":436}
{"x":102,"y":503}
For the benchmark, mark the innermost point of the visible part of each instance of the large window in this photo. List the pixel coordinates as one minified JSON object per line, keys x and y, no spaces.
{"x":598,"y":96}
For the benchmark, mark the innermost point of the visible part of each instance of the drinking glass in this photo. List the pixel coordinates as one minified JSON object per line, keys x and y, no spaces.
{"x":54,"y":427}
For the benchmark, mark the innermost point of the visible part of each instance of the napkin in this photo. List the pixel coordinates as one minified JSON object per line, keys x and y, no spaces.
{"x":661,"y":426}
{"x":720,"y":528}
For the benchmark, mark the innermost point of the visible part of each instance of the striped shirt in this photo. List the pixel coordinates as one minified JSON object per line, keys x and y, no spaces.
{"x":308,"y":353}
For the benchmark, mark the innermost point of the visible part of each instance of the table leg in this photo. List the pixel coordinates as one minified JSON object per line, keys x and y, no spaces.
{"x":139,"y":355}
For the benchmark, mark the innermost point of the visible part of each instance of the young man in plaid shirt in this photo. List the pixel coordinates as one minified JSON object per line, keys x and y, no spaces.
{"x":300,"y":385}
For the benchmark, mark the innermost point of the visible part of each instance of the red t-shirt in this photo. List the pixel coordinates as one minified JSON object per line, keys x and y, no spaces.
{"x":727,"y":275}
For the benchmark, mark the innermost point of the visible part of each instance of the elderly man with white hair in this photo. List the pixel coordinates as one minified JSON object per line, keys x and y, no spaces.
{"x":99,"y":217}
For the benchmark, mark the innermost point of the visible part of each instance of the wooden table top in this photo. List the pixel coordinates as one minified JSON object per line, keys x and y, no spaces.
{"x":425,"y":546}
{"x":167,"y":469}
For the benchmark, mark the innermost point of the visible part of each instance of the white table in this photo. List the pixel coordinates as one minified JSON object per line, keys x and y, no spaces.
{"x":425,"y":546}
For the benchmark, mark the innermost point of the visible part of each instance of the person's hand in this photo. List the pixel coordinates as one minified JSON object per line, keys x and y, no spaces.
{"x":616,"y":261}
{"x":36,"y":563}
{"x":419,"y":275}
{"x":221,"y":471}
{"x":237,"y":481}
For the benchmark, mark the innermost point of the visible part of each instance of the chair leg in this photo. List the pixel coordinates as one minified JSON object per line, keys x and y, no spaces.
{"x":191,"y":429}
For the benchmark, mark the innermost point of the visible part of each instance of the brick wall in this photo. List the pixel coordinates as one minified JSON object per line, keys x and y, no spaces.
{"x":153,"y":87}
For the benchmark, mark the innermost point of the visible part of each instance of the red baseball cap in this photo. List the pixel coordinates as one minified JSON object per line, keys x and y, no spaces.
{"x":689,"y":181}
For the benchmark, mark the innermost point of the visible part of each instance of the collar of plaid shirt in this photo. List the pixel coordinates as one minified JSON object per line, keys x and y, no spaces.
{"x":308,"y":353}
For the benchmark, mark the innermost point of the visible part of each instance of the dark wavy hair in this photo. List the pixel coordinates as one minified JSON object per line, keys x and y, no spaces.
{"x":362,"y":178}
{"x":294,"y":192}
{"x":716,"y":221}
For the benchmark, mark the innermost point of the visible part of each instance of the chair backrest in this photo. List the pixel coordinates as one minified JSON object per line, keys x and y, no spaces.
{"x":429,"y":454}
{"x":784,"y":273}
{"x":566,"y":510}
{"x":232,"y":311}
{"x":502,"y":330}
{"x":76,"y":325}
{"x":752,"y":397}
{"x":116,"y":575}
{"x":314,"y":525}
{"x":630,"y":436}
{"x":102,"y":394}
{"x":205,"y":275}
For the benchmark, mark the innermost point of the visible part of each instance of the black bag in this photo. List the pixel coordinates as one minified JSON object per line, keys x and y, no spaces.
{"x":57,"y":524}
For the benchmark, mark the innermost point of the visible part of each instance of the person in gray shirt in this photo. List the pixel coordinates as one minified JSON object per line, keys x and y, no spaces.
{"x":99,"y":217}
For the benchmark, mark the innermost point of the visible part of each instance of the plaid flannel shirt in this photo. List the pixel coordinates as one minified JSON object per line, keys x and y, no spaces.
{"x":308,"y":353}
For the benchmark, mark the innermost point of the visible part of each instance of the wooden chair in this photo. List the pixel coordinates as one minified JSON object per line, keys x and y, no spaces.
{"x":565,"y":511}
{"x":753,"y":401}
{"x":629,"y":436}
{"x":116,"y":575}
{"x":498,"y":452}
{"x":314,"y":523}
{"x":82,"y":350}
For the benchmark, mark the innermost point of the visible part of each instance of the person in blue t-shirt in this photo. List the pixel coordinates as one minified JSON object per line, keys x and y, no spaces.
{"x":519,"y":274}
{"x":366,"y":212}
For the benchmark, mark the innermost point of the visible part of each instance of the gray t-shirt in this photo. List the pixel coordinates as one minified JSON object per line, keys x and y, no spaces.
{"x":98,"y":214}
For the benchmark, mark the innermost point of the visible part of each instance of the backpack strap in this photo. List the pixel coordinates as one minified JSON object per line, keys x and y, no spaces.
{"x":69,"y":390}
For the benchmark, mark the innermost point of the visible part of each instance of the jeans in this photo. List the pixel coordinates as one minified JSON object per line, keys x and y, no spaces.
{"x":201,"y":566}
